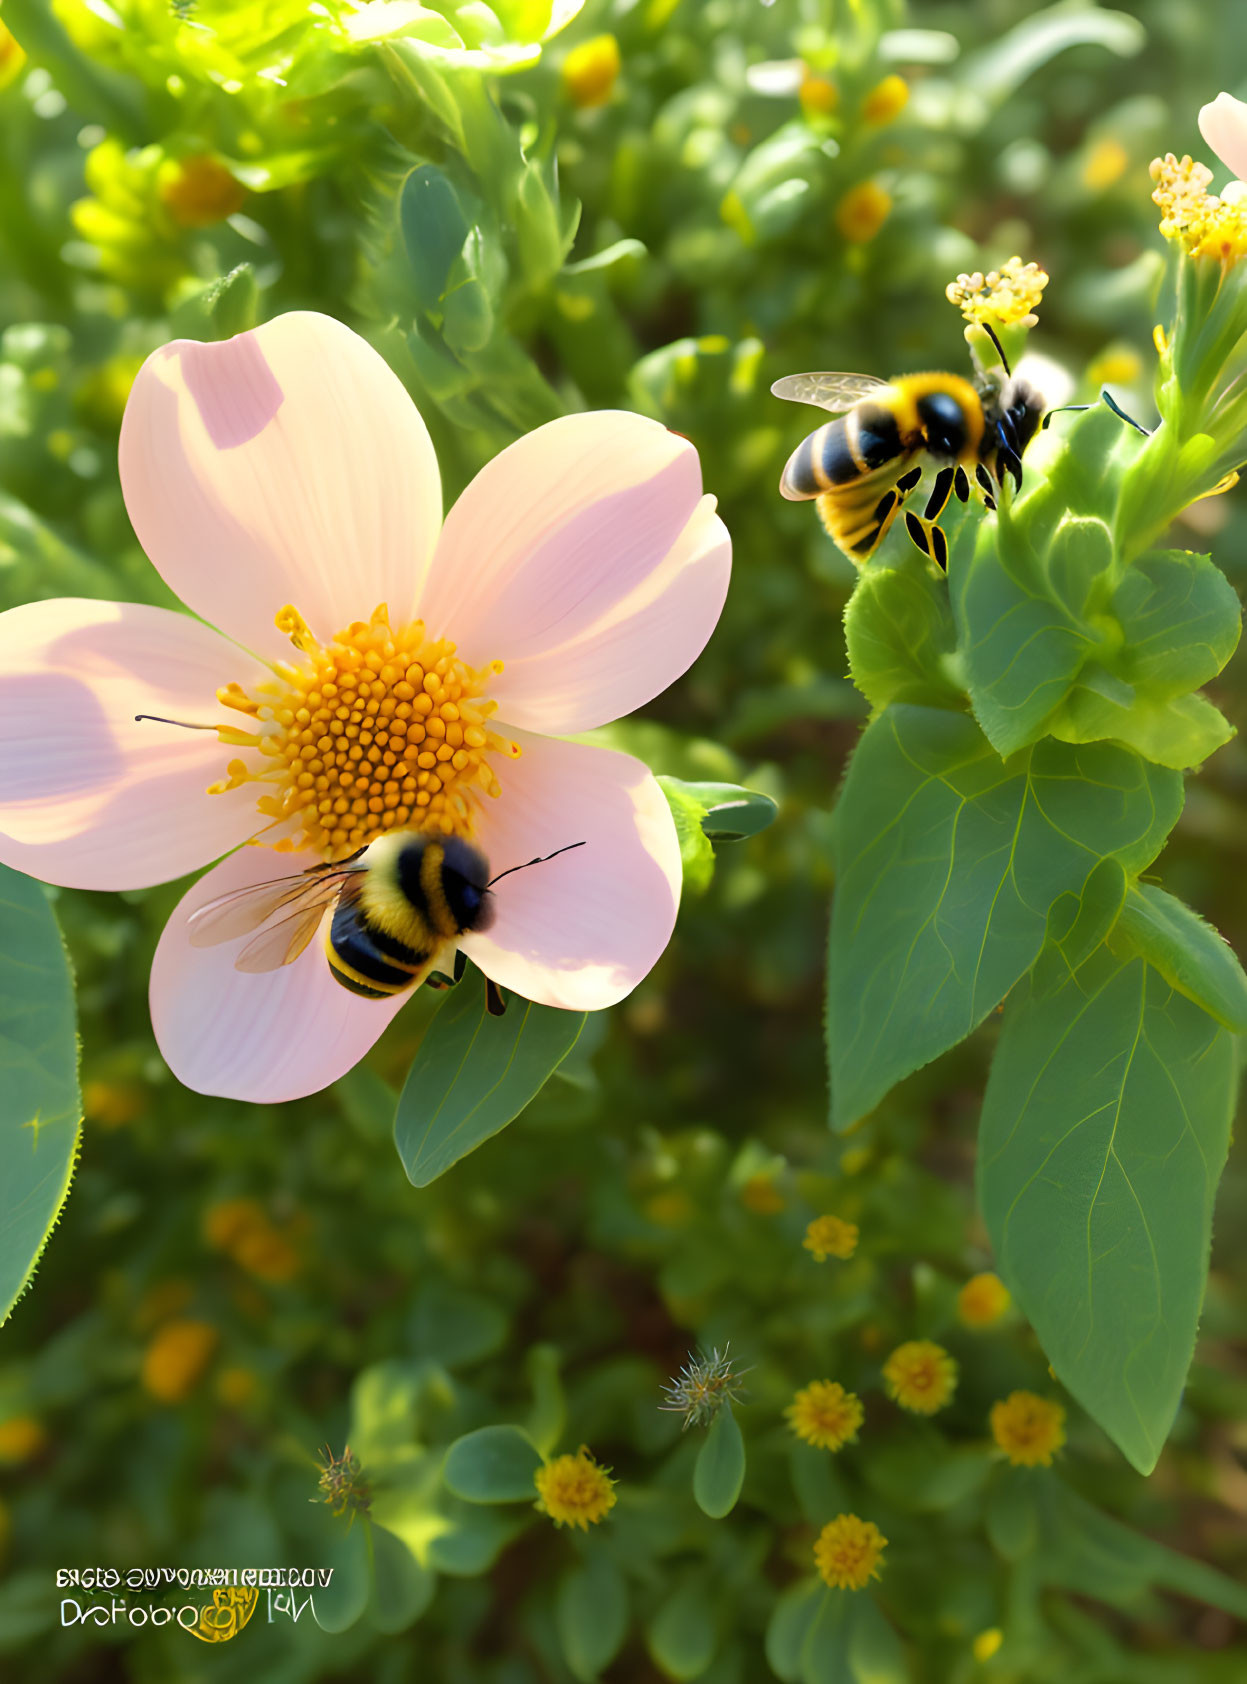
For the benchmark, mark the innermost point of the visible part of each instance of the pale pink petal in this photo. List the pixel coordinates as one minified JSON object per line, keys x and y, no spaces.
{"x":579,"y":931}
{"x":287,"y":465}
{"x":1223,"y":125}
{"x":263,"y":1038}
{"x":556,"y":531}
{"x":635,"y":650}
{"x":89,"y":797}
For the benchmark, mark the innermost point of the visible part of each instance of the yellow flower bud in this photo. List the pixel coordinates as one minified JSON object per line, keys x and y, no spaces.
{"x":862,"y":212}
{"x":886,"y":100}
{"x":21,"y":1439}
{"x":590,"y":71}
{"x":198,"y":191}
{"x":819,"y":95}
{"x":175,"y":1360}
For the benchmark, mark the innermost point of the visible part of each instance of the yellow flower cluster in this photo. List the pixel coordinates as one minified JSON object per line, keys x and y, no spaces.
{"x":242,"y":1230}
{"x":848,"y":1552}
{"x":825,"y":1415}
{"x":1207,"y":225}
{"x":175,"y":1360}
{"x":1005,"y":297}
{"x":830,"y":1236}
{"x":574,"y":1490}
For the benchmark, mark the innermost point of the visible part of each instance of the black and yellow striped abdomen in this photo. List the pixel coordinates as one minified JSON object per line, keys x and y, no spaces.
{"x":415,"y":897}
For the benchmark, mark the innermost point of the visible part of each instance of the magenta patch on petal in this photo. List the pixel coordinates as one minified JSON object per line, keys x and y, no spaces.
{"x":233,"y":388}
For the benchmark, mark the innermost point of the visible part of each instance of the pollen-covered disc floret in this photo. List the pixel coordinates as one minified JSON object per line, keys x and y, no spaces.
{"x":1207,"y":225}
{"x":380,"y":729}
{"x":1005,"y":297}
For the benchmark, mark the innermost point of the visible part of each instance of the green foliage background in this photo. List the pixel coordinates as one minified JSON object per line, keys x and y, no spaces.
{"x":426,"y":175}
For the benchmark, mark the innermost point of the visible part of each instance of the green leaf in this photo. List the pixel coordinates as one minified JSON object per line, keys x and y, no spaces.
{"x":712,"y":811}
{"x":791,"y":1621}
{"x":1023,"y":645}
{"x":1190,"y":955}
{"x":40,"y":1109}
{"x":1105,"y":1125}
{"x":948,"y":861}
{"x":1179,"y":621}
{"x":719,"y":1471}
{"x":1078,"y":924}
{"x":876,"y":1653}
{"x":474,"y":1074}
{"x":402,"y":1588}
{"x":453,"y":1326}
{"x":342,"y":1601}
{"x":996,"y":72}
{"x":900,"y":636}
{"x":1012,"y":1513}
{"x":1181,"y":732}
{"x":493,"y":1465}
{"x":591,"y":1612}
{"x":1091,"y":1553}
{"x":433,"y":228}
{"x":684,"y":1633}
{"x":825,"y":1652}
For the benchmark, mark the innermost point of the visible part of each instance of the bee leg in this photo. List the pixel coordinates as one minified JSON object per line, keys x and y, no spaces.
{"x":908,"y":481}
{"x":941,"y":491}
{"x":986,"y":485}
{"x":461,"y":964}
{"x":494,"y":1001}
{"x":961,"y":486}
{"x":929,"y":538}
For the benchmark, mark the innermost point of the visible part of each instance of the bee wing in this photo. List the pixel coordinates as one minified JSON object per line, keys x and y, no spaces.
{"x":836,"y":392}
{"x":282,"y":943}
{"x":244,"y":910}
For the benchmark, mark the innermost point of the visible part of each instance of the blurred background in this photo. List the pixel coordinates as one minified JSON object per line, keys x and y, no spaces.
{"x":532,"y":209}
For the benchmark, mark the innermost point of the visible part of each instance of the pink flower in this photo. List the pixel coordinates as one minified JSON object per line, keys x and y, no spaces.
{"x":285,"y":477}
{"x":1223,"y":125}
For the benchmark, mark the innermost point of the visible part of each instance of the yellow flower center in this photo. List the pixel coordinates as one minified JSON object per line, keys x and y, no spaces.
{"x":920,"y":1376}
{"x":825,"y":1415}
{"x":380,"y":729}
{"x":830,"y":1236}
{"x":1029,"y":1429}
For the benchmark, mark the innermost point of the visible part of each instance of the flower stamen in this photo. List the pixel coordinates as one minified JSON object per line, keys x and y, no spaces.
{"x":379,"y":729}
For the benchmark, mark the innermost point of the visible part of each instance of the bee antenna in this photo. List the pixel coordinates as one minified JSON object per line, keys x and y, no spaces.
{"x":544,"y":857}
{"x":990,"y":331}
{"x":182,"y":723}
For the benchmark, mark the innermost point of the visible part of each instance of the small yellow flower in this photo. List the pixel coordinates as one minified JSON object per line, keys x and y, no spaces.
{"x":21,"y":1439}
{"x":590,"y":71}
{"x":830,"y":1236}
{"x":819,"y":95}
{"x":760,"y":1195}
{"x":1007,"y":297}
{"x":987,"y":1643}
{"x":920,"y":1376}
{"x":175,"y":1360}
{"x":1105,"y":164}
{"x":574,"y":1490}
{"x":199,"y":191}
{"x":886,"y":100}
{"x":848,"y":1552}
{"x":863,"y":211}
{"x":983,"y":1300}
{"x":825,"y":1415}
{"x":670,"y":1208}
{"x":1029,"y":1429}
{"x":241,"y":1228}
